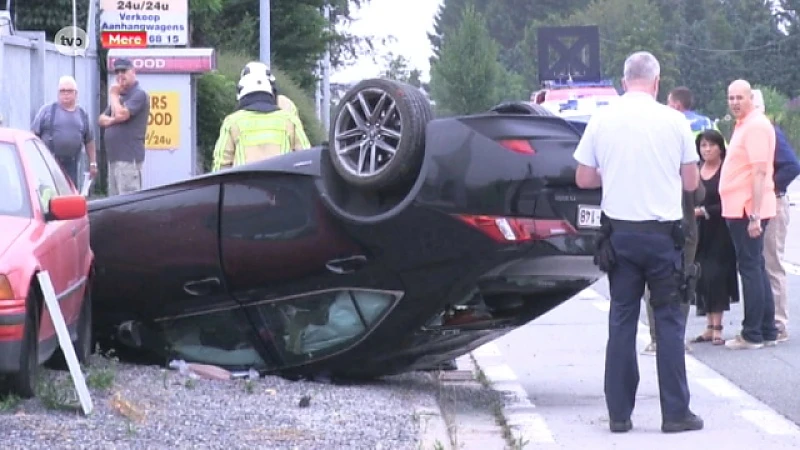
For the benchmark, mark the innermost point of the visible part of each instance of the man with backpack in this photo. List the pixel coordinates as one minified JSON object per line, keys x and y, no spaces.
{"x":65,"y":128}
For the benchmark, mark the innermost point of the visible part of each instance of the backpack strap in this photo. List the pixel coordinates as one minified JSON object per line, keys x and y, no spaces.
{"x":85,"y":119}
{"x":50,"y":123}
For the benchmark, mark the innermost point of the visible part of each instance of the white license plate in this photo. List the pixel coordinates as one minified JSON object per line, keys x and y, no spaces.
{"x":589,"y":216}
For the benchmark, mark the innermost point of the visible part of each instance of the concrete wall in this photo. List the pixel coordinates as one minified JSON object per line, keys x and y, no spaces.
{"x":29,"y":71}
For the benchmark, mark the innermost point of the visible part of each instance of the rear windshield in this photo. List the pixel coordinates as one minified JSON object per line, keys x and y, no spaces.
{"x":13,"y":196}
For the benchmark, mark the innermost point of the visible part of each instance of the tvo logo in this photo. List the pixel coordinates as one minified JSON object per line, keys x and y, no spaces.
{"x":71,"y":41}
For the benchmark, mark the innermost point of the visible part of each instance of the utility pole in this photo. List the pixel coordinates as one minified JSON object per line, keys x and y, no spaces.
{"x":74,"y":36}
{"x":264,"y":30}
{"x":326,"y":79}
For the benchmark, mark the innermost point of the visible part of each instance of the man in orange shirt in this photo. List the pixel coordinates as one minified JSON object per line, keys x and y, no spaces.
{"x":747,"y":191}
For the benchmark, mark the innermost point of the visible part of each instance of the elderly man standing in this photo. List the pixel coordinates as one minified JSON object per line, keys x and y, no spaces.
{"x":646,"y":155}
{"x":787,"y":168}
{"x":747,"y":191}
{"x":65,"y":128}
{"x":125,"y":123}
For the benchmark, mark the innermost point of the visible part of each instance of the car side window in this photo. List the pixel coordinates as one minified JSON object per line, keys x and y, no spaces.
{"x":265,"y":209}
{"x":321,"y":324}
{"x":62,"y":184}
{"x":44,"y":182}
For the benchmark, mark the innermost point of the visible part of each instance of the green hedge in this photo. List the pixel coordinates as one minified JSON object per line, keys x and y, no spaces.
{"x":216,"y":98}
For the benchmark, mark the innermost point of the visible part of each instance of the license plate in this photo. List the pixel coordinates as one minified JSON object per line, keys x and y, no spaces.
{"x":589,"y":216}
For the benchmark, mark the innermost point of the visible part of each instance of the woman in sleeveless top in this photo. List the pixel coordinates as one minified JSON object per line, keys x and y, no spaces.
{"x":718,"y":285}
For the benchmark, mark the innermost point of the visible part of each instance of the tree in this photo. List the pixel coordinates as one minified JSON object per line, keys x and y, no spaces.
{"x":627,"y":26}
{"x":397,"y":68}
{"x":464,"y":78}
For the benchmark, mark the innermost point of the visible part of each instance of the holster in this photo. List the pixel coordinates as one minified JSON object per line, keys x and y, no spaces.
{"x":691,"y":274}
{"x":604,"y":256}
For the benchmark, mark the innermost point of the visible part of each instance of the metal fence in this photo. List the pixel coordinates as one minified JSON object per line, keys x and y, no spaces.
{"x":29,"y":71}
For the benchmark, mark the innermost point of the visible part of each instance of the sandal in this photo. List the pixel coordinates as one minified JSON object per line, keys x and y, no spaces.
{"x":718,"y":340}
{"x":705,"y":337}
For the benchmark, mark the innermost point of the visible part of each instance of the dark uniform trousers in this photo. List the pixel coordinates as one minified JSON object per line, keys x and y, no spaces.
{"x":645,"y":257}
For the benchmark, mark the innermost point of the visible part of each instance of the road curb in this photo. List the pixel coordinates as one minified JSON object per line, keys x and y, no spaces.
{"x":522,"y":422}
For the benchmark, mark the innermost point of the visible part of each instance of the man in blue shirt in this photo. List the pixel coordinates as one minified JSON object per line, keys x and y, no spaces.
{"x":681,"y":99}
{"x":787,"y":168}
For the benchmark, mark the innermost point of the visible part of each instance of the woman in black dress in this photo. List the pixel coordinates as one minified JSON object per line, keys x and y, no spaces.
{"x":718,"y":285}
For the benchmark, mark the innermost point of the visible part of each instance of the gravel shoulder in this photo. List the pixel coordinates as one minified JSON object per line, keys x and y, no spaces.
{"x":152,"y":407}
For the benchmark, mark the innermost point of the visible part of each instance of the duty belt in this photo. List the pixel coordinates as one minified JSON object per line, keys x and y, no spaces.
{"x":647,"y":226}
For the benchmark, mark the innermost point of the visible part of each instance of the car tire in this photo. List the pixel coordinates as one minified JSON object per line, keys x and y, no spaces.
{"x":84,"y":344}
{"x":524,"y":108}
{"x":400,"y":115}
{"x":23,"y":382}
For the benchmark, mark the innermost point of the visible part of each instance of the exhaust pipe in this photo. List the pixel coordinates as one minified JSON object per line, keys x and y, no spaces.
{"x":129,"y":334}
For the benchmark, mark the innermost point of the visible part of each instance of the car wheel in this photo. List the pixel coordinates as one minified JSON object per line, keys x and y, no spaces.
{"x":84,"y":345}
{"x":23,"y":382}
{"x":377,"y":138}
{"x":524,"y":108}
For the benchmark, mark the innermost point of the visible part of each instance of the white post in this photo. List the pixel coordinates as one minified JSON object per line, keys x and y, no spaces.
{"x":75,"y":36}
{"x":264,"y":31}
{"x":326,"y":80}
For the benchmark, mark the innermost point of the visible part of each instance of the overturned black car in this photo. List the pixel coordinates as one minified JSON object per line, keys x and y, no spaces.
{"x":404,"y":242}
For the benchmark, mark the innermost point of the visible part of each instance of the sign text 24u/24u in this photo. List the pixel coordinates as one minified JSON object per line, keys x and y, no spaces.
{"x":163,"y":123}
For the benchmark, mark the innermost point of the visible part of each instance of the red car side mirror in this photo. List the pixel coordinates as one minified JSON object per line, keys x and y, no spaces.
{"x":68,"y":207}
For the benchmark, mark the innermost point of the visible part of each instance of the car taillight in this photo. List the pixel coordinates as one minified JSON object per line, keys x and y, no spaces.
{"x":515,"y":229}
{"x":518,"y":145}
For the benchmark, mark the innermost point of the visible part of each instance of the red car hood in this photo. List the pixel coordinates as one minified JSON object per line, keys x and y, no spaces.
{"x":12,"y":227}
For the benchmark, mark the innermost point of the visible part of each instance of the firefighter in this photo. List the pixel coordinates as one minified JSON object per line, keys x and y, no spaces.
{"x":258,"y":129}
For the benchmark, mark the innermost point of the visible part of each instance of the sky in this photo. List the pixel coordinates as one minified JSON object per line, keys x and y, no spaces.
{"x":409,"y":24}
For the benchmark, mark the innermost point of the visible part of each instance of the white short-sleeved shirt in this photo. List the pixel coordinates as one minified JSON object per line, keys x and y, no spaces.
{"x":639,"y":145}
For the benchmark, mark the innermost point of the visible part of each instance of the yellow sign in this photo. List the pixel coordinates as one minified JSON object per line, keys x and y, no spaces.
{"x":163,"y":124}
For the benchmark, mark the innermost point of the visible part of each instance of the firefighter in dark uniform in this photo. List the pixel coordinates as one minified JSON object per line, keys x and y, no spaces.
{"x":642,"y":154}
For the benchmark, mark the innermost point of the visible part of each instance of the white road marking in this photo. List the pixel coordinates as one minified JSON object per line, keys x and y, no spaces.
{"x":719,"y":386}
{"x":771,"y":422}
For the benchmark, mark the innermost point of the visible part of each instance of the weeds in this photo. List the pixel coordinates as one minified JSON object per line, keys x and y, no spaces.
{"x":57,"y":394}
{"x":9,"y":402}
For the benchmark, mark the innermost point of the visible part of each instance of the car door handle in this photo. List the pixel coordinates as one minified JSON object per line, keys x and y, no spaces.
{"x":202,"y":287}
{"x":346,"y":265}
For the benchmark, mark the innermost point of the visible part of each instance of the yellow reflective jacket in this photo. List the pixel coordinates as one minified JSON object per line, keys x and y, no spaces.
{"x":250,"y":136}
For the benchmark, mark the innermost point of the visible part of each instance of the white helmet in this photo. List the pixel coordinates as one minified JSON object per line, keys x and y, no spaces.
{"x":253,"y":83}
{"x":252,"y":79}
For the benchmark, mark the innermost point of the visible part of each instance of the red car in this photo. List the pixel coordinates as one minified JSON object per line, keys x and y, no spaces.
{"x":44,"y":228}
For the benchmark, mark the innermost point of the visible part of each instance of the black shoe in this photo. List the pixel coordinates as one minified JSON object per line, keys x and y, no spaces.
{"x":691,"y":422}
{"x":621,"y":426}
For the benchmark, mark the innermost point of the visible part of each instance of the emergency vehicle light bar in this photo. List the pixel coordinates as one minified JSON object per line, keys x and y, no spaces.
{"x":577,"y":84}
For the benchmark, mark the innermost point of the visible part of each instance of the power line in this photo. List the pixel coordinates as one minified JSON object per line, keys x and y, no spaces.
{"x":722,"y":50}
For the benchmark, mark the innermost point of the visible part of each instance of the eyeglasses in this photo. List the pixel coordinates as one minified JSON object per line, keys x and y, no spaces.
{"x":67,"y":91}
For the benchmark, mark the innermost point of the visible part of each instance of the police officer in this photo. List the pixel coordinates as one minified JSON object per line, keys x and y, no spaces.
{"x":641,"y":153}
{"x":258,"y":129}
